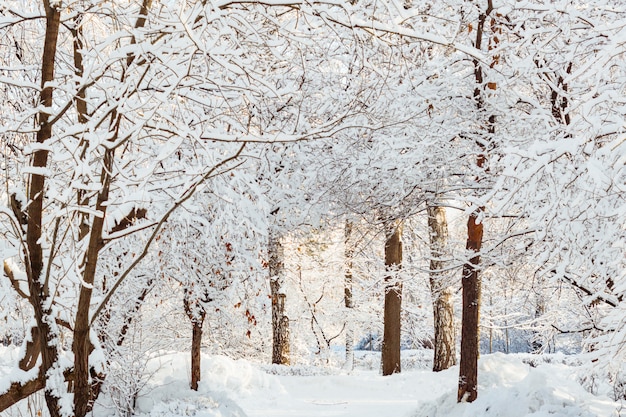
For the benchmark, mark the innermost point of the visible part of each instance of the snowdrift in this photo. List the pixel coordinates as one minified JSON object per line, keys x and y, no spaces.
{"x":510,"y":386}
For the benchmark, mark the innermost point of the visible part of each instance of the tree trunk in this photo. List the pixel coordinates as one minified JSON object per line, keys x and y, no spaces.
{"x":34,"y":256}
{"x":536,"y":343}
{"x":196,"y":345}
{"x":393,"y":302}
{"x":196,"y":313}
{"x":470,"y":334}
{"x":470,"y":331}
{"x":443,"y":309}
{"x":82,"y":345}
{"x":82,"y":116}
{"x":349,"y":302}
{"x":280,"y":321}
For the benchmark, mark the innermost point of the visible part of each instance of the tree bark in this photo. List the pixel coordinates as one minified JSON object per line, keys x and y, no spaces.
{"x":196,"y":313}
{"x":470,"y":334}
{"x":280,"y":321}
{"x":470,"y":331}
{"x":196,"y":345}
{"x":537,"y":340}
{"x":32,"y":351}
{"x":82,"y":344}
{"x":38,"y":291}
{"x":393,"y":302}
{"x":348,"y":299}
{"x":19,"y":391}
{"x":82,"y":116}
{"x":443,"y":309}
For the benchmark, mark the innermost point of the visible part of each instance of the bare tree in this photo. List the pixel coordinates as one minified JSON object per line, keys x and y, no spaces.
{"x":34,"y":258}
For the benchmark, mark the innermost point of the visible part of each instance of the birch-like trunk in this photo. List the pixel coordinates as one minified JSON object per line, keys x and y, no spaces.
{"x":348,"y":299}
{"x":280,"y":321}
{"x":443,"y":309}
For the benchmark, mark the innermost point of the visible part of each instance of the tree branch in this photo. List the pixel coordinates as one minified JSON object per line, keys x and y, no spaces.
{"x":19,"y":391}
{"x":586,"y":290}
{"x":8,"y":271}
{"x":186,"y":195}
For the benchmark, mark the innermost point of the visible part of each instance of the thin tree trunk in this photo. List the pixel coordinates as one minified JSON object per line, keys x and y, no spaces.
{"x":196,"y":345}
{"x":348,"y":299}
{"x":393,"y":302}
{"x":443,"y":309}
{"x":280,"y":321}
{"x":81,"y":345}
{"x":82,"y":117}
{"x":540,"y":310}
{"x":34,"y":263}
{"x":196,"y":313}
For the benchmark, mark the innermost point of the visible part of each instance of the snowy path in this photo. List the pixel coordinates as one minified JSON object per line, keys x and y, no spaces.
{"x":362,"y":394}
{"x":508,"y":387}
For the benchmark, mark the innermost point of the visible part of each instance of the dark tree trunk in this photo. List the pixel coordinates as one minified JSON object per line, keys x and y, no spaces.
{"x":393,"y":302}
{"x":34,"y":263}
{"x":443,"y":309}
{"x":470,"y":334}
{"x":82,"y":344}
{"x":196,"y":313}
{"x":196,"y":345}
{"x":470,"y":331}
{"x":280,"y":321}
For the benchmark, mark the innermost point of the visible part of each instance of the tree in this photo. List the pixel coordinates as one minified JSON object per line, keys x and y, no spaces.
{"x":280,"y":321}
{"x":565,"y":173}
{"x":470,"y":330}
{"x":124,"y":150}
{"x":441,"y":290}
{"x":34,"y":259}
{"x":393,"y":300}
{"x":348,"y":296}
{"x":468,"y":371}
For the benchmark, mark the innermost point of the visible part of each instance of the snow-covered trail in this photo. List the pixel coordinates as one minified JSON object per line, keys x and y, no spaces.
{"x":509,"y":386}
{"x":363,"y":394}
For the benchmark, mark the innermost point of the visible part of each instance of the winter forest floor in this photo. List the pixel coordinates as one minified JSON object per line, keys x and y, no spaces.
{"x":510,"y":386}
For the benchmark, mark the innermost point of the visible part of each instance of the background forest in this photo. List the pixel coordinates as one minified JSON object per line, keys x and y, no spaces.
{"x":290,"y":181}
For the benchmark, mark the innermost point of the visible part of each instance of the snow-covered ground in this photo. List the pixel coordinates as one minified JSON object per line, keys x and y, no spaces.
{"x":509,"y":387}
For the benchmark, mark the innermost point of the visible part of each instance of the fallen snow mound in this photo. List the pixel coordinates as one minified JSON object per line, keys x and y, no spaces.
{"x":224,"y":383}
{"x":201,"y":406}
{"x":510,"y":387}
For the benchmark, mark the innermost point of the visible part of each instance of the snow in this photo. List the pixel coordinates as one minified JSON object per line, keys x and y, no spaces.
{"x":515,"y":385}
{"x":510,"y":386}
